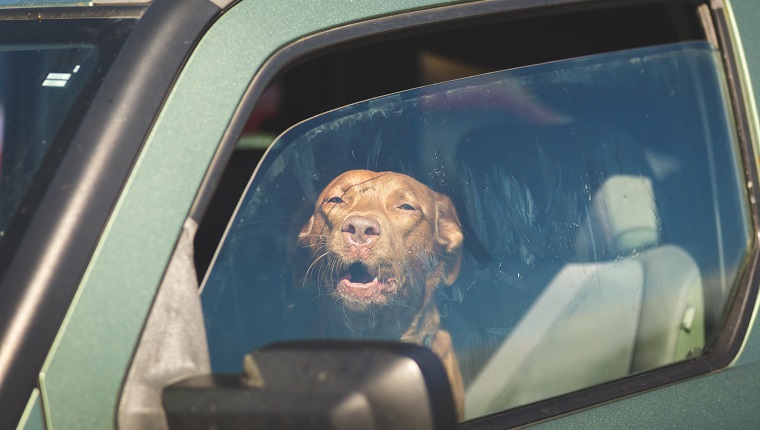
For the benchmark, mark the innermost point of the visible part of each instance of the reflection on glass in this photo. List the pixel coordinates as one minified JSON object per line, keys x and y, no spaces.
{"x":39,"y":85}
{"x":543,"y":229}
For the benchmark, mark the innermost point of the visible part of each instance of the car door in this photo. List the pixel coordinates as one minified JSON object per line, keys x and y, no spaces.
{"x":257,"y":61}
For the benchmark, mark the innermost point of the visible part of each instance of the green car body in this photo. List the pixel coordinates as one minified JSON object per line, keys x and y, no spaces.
{"x":81,"y":379}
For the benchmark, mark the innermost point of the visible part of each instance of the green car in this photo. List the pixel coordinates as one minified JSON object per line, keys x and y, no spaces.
{"x":397,"y":214}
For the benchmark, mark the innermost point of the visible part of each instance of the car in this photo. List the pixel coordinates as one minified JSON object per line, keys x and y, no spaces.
{"x":570,"y":189}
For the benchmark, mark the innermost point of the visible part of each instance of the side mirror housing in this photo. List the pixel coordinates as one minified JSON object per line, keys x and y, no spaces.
{"x":320,"y":385}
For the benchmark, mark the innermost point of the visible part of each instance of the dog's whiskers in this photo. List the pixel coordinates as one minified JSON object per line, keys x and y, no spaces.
{"x":347,"y":320}
{"x":311,"y":266}
{"x":374,"y":322}
{"x":314,"y":246}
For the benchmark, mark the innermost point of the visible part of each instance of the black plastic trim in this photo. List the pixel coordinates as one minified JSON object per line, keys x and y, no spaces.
{"x":281,"y":392}
{"x":74,"y":12}
{"x":48,"y":265}
{"x":738,"y":316}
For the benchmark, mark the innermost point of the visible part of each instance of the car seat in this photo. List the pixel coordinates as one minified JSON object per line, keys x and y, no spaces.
{"x":600,"y":319}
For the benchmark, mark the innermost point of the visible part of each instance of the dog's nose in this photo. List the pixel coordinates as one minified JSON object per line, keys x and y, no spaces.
{"x":360,"y":230}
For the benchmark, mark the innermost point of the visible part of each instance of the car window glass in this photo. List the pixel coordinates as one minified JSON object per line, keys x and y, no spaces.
{"x":50,"y":71}
{"x":40,"y":85}
{"x":543,"y":229}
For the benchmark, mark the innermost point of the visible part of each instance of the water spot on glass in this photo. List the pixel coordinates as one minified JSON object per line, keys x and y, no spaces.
{"x":501,"y":331}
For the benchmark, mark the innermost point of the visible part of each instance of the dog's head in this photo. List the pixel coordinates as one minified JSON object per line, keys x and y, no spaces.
{"x":380,"y":239}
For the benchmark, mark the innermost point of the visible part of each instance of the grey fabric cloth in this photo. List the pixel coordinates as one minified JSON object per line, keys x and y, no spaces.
{"x":173,"y":345}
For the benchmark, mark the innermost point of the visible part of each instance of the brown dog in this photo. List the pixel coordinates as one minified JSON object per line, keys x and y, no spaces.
{"x":380,"y":244}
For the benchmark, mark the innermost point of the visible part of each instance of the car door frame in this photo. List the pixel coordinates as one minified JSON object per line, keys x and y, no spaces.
{"x":186,"y":157}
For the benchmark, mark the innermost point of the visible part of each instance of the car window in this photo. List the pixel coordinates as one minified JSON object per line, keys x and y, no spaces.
{"x":41,"y":84}
{"x":543,"y":229}
{"x":49,"y":72}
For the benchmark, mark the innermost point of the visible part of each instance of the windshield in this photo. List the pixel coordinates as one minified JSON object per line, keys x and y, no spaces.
{"x":542,"y":229}
{"x":49,"y":72}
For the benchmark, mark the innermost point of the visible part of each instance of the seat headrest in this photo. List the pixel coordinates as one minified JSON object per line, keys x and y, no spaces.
{"x":621,"y":218}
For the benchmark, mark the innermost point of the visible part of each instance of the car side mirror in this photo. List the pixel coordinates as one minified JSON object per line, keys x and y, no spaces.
{"x":320,"y":385}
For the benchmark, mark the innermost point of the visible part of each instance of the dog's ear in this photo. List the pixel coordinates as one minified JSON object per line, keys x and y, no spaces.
{"x":299,"y":242}
{"x":303,"y":236}
{"x":449,"y":237}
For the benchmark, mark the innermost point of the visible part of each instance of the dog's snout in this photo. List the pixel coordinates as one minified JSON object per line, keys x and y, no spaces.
{"x":360,"y":230}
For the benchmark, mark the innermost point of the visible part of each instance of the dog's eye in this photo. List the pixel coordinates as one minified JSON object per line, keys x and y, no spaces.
{"x":334,"y":200}
{"x":407,"y":207}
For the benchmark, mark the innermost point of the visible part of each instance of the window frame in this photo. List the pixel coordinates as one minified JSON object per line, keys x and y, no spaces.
{"x":739,"y":309}
{"x":41,"y":271}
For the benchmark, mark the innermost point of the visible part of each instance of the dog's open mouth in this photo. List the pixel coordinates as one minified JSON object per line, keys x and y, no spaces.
{"x":364,"y":283}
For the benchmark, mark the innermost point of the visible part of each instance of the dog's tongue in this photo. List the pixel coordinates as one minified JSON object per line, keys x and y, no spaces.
{"x":359,"y":278}
{"x":372,"y":284}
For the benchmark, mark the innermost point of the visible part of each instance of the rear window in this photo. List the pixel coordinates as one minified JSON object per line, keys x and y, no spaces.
{"x":543,"y":229}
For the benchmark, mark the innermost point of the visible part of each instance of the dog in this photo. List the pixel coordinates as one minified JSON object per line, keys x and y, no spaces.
{"x":380,"y":243}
